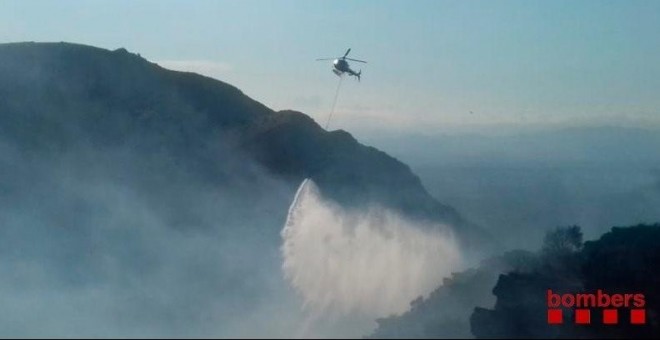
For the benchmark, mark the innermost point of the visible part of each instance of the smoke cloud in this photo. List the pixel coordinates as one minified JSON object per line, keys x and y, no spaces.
{"x":369,"y":263}
{"x":120,"y":243}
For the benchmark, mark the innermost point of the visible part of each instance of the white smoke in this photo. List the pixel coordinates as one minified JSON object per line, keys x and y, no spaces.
{"x":371,"y":263}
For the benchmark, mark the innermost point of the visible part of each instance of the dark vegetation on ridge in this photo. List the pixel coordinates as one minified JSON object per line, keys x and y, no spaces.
{"x":505,"y":297}
{"x":59,"y":96}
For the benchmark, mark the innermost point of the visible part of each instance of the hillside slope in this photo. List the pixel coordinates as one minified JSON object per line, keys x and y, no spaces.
{"x":58,"y":96}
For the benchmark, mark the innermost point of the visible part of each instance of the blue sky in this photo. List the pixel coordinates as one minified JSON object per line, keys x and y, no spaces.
{"x":520,"y":64}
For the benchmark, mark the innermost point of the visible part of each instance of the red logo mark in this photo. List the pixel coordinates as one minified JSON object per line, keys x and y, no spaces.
{"x":638,"y":316}
{"x":610,"y":316}
{"x":582,"y":316}
{"x":583,"y":303}
{"x":555,"y":316}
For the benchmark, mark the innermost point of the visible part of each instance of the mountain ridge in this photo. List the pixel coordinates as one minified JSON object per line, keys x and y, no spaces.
{"x":103,"y":97}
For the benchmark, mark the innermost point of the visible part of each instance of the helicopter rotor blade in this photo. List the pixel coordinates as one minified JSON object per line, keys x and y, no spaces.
{"x":359,"y":61}
{"x":325,"y":59}
{"x":347,"y":52}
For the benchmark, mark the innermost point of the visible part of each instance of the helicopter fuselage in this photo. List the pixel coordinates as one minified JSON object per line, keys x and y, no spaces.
{"x":341,"y":66}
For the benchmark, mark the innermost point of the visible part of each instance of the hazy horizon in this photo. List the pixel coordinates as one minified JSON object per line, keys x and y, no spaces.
{"x":434,"y":66}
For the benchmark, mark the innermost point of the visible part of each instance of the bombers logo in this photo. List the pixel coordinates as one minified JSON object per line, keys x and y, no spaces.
{"x":609,"y":304}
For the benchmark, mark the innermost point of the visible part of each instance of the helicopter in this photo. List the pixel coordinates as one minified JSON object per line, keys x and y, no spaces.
{"x":341,"y":65}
